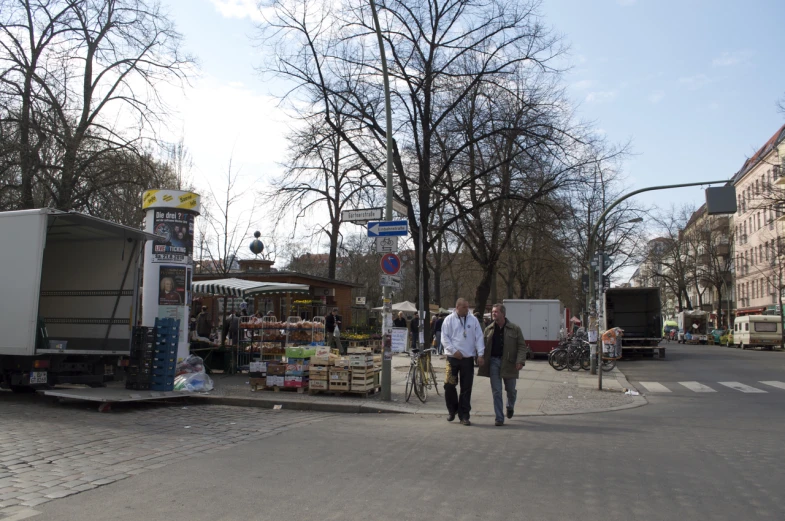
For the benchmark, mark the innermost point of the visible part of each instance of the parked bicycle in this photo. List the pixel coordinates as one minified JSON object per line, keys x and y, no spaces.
{"x":421,"y":375}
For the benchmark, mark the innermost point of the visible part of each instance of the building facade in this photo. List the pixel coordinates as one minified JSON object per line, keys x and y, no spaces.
{"x":758,"y":229}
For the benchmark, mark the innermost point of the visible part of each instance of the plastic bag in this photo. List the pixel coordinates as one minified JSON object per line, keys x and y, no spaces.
{"x":337,"y":332}
{"x":192,"y":364}
{"x":193,"y":382}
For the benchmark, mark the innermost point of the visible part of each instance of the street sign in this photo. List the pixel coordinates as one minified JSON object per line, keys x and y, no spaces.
{"x":386,"y":244}
{"x":390,"y":264}
{"x":359,"y":301}
{"x":400,"y":208}
{"x":362,"y":215}
{"x":391,"y":280}
{"x":388,"y":229}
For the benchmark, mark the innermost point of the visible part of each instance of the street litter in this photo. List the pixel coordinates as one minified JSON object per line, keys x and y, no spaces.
{"x":632,"y":393}
{"x":277,"y":407}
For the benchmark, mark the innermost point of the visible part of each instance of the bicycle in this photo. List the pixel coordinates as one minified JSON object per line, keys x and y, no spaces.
{"x":421,"y":376}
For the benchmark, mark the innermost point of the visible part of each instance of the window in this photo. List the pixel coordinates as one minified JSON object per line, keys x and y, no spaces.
{"x":758,"y":217}
{"x":747,"y":326}
{"x":765,"y":327}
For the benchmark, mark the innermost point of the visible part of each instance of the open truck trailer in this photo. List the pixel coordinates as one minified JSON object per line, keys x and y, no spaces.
{"x":69,"y":284}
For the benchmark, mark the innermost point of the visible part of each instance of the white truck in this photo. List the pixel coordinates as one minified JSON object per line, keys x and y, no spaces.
{"x":540,"y":320}
{"x":696,"y":323}
{"x":69,"y":284}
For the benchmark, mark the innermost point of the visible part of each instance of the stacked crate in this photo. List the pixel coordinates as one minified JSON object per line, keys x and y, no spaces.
{"x":167,"y":333}
{"x":362,"y":377}
{"x":297,"y":373}
{"x":320,"y":374}
{"x":140,"y":365}
{"x":339,"y":374}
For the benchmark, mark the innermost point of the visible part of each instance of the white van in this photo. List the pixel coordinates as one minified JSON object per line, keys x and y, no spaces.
{"x":757,"y":331}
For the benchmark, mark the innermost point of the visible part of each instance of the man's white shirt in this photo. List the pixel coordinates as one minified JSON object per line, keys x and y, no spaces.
{"x":464,"y":334}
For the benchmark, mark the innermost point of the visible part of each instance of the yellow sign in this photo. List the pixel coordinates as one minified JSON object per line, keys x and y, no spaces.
{"x":171,"y":199}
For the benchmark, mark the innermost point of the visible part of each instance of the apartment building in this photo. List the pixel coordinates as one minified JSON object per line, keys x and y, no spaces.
{"x":759,"y":252}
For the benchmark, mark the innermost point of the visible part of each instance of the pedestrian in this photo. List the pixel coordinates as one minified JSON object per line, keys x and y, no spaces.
{"x":507,"y":347}
{"x":332,"y":327}
{"x":437,"y":328}
{"x":233,"y":328}
{"x":414,"y":332}
{"x":203,"y":323}
{"x":462,"y":338}
{"x":400,"y":321}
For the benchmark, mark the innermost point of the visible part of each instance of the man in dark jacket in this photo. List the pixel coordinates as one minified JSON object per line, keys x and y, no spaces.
{"x":506,"y":351}
{"x":203,"y":326}
{"x":332,"y":321}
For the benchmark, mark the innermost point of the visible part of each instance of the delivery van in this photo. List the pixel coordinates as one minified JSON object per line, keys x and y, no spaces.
{"x":757,"y":331}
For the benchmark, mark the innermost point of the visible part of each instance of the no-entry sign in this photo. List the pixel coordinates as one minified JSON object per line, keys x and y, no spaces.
{"x":390,"y":263}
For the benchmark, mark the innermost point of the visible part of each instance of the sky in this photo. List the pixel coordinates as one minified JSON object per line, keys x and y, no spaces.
{"x":692,"y":85}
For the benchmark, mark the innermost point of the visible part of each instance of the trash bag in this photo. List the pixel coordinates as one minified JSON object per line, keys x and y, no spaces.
{"x":193,"y":382}
{"x":192,"y":364}
{"x":337,"y":332}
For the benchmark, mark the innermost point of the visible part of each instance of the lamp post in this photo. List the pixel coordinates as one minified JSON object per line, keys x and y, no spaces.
{"x":594,"y":230}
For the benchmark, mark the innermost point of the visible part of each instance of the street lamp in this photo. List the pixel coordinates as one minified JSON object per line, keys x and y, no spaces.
{"x":594,"y":230}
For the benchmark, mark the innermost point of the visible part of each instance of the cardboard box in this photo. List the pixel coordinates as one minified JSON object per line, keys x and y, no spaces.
{"x":258,"y":367}
{"x":300,"y":352}
{"x":276,"y":369}
{"x":319,"y":370}
{"x":295,"y":381}
{"x":341,"y":362}
{"x":275,"y":381}
{"x":301,"y":361}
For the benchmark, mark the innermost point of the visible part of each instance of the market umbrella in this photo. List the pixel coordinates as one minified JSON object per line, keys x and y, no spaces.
{"x":405,"y":306}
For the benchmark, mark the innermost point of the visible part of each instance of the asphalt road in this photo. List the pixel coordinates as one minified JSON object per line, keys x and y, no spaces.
{"x":696,"y":456}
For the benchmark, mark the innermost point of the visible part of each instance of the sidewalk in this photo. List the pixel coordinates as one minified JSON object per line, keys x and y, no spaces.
{"x":541,"y":391}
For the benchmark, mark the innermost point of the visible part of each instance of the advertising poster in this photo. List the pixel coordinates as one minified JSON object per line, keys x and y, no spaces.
{"x":171,"y":286}
{"x":175,"y":231}
{"x":399,"y":337}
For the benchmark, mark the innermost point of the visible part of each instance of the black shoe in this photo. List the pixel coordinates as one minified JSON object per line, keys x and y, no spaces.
{"x":500,"y":424}
{"x":450,"y":417}
{"x":466,"y":422}
{"x":510,"y":412}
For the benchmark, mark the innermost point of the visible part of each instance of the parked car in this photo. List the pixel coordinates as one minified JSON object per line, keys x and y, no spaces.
{"x":717,"y":334}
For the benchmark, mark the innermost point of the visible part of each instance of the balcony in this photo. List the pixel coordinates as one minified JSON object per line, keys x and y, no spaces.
{"x":723,"y":250}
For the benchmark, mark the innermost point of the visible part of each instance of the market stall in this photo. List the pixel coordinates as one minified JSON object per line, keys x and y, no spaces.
{"x":229,"y":358}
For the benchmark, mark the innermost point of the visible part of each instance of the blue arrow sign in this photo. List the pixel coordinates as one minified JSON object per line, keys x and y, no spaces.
{"x":388,"y":228}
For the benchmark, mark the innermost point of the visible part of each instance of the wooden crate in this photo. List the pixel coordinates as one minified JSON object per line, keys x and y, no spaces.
{"x":256,"y":383}
{"x":358,"y":349}
{"x":319,"y":385}
{"x":363,"y":387}
{"x":339,"y":375}
{"x":339,"y":386}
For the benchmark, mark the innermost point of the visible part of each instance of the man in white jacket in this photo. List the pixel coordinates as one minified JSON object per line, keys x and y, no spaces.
{"x":462,"y":339}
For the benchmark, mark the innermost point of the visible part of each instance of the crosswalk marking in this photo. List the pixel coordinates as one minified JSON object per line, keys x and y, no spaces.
{"x":654,"y":387}
{"x":738,"y":386}
{"x":779,"y":385}
{"x":697,"y":387}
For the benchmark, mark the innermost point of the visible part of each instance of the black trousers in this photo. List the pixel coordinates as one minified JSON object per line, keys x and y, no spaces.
{"x":459,"y":372}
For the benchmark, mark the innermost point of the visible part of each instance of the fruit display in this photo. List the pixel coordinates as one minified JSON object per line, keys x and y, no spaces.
{"x":274,"y":331}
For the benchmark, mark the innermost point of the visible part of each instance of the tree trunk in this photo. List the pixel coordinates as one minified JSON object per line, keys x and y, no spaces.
{"x":333,"y":260}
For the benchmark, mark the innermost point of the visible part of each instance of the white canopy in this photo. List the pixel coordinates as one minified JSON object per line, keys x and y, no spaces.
{"x":405,"y":306}
{"x":245,"y":288}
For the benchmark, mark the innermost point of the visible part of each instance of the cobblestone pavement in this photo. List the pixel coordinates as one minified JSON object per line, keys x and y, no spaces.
{"x":49,"y":450}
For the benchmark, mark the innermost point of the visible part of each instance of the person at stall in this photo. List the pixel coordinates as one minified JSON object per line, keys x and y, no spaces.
{"x":414,"y":332}
{"x":400,"y":320}
{"x":204,"y":325}
{"x":333,"y":337}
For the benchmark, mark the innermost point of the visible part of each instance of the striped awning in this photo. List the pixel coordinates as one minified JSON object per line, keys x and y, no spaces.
{"x":245,"y":288}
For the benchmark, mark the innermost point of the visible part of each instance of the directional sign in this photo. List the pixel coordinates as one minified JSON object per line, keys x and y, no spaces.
{"x":391,"y":280}
{"x":390,"y":264}
{"x":388,"y":229}
{"x":399,"y":207}
{"x":386,"y":244}
{"x":362,"y":215}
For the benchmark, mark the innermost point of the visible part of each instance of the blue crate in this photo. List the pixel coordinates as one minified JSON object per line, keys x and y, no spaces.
{"x":164,"y":369}
{"x":161,"y":351}
{"x":158,"y":383}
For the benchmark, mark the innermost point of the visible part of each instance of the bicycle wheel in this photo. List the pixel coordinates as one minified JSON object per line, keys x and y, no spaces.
{"x":410,"y":382}
{"x":420,"y":388}
{"x":552,"y":356}
{"x":608,"y":365}
{"x":560,"y":360}
{"x":585,"y":361}
{"x":574,"y":361}
{"x":433,"y":379}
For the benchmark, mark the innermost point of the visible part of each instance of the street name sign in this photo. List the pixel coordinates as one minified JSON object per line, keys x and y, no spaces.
{"x":362,"y":215}
{"x":388,"y":229}
{"x":390,"y":264}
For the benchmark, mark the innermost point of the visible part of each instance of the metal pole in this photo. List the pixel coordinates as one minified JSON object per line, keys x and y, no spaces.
{"x":386,"y":316}
{"x":613,"y":205}
{"x":600,"y":317}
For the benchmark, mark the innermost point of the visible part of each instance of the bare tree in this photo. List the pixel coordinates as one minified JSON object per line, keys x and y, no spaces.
{"x":225,"y":227}
{"x":82,"y":76}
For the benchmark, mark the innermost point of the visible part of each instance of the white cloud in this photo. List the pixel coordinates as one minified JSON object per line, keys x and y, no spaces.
{"x":695,"y":82}
{"x":238,"y":9}
{"x":602,"y":96}
{"x":728,"y":59}
{"x":656,"y":96}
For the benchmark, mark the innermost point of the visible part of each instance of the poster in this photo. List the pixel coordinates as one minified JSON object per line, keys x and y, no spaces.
{"x":175,"y":231}
{"x":171,"y":286}
{"x":399,"y":337}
